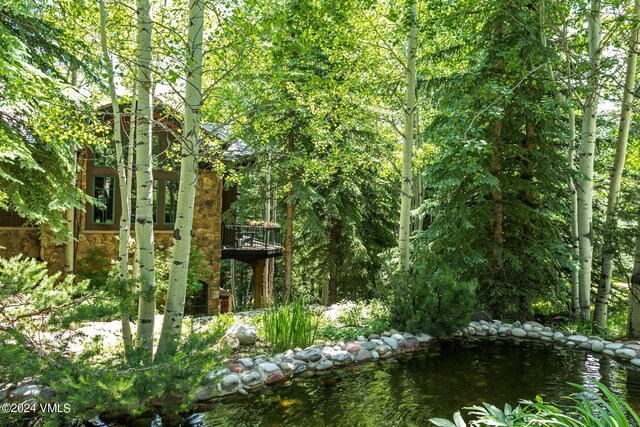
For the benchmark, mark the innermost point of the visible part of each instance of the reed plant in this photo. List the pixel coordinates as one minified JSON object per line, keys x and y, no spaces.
{"x":290,"y":325}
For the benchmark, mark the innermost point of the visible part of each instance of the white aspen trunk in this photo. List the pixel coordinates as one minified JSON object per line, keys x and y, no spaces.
{"x":144,"y":185}
{"x":176,"y":293}
{"x":135,"y":271}
{"x":571,"y":156}
{"x":70,"y":215}
{"x":266,"y":291}
{"x":633,"y":324}
{"x":288,"y":232}
{"x":604,"y":288}
{"x":586,"y":154}
{"x":407,"y":146}
{"x":125,"y":215}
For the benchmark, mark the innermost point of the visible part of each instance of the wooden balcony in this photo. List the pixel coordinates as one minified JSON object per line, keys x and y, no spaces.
{"x":251,"y":242}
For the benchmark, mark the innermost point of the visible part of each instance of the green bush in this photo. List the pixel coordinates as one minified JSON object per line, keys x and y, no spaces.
{"x":290,"y":325}
{"x":431,"y":300}
{"x":587,"y":409}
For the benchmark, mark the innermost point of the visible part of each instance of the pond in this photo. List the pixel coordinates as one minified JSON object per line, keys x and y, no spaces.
{"x":450,"y":376}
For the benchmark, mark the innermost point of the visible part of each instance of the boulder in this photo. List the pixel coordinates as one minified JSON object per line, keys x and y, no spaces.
{"x":230,"y":382}
{"x":391,"y":342}
{"x":353,"y":347}
{"x":363,"y":355}
{"x":274,"y":379}
{"x":246,"y":334}
{"x":518,"y":332}
{"x":409,"y":346}
{"x":205,"y":395}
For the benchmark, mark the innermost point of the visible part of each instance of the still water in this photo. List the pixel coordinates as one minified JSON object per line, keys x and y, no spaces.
{"x":450,"y":376}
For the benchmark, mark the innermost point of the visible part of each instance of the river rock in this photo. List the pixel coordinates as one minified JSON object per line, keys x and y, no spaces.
{"x":301,"y":355}
{"x":274,"y":379}
{"x":608,"y":352}
{"x":361,"y":338}
{"x":375,"y":355}
{"x":252,"y":378}
{"x":230,"y":382}
{"x":423,"y":338}
{"x":635,"y":362}
{"x":377,"y":341}
{"x":391,"y":342}
{"x":324,"y":365}
{"x":363,"y":355}
{"x":246,"y":334}
{"x":471,"y":330}
{"x":246,"y":362}
{"x":409,"y":346}
{"x":527,"y":327}
{"x":314,"y":357}
{"x":369,"y":345}
{"x":382,"y":349}
{"x":353,"y":347}
{"x":373,"y":337}
{"x":557,"y":336}
{"x":287,"y":369}
{"x":577,"y":338}
{"x":518,"y":332}
{"x":493,"y":331}
{"x":242,"y":391}
{"x":205,"y":395}
{"x":341,"y":356}
{"x":597,"y":346}
{"x":299,"y":367}
{"x":386,"y":334}
{"x":614,"y":346}
{"x":268,"y":367}
{"x":397,"y":337}
{"x":626,"y":353}
{"x":235,"y":367}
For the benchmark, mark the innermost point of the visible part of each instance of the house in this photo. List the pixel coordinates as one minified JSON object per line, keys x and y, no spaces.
{"x":96,"y":227}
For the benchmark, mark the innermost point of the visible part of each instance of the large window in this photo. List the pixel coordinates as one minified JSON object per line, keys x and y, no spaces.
{"x":102,"y":184}
{"x":104,"y":192}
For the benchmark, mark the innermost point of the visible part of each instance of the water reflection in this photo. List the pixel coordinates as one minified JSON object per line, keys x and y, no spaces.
{"x":409,"y":392}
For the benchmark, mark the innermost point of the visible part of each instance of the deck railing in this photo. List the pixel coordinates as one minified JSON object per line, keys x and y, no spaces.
{"x":247,"y":237}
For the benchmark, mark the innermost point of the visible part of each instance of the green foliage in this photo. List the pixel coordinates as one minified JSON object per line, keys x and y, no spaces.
{"x":290,"y":325}
{"x":362,"y":318}
{"x":589,"y":408}
{"x":200,"y":270}
{"x":95,"y":267}
{"x":432,"y":299}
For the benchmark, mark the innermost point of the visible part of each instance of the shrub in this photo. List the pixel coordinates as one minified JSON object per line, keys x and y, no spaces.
{"x":433,"y":300}
{"x":290,"y":325}
{"x":587,"y":409}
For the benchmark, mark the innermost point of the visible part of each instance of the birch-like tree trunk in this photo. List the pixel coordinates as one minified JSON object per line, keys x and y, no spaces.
{"x":611,"y":221}
{"x":70,"y":215}
{"x":144,"y":185}
{"x":125,"y":215}
{"x":586,"y":155}
{"x":571,"y":156}
{"x":404,"y":245}
{"x":633,"y":325}
{"x":176,"y":293}
{"x":288,"y":232}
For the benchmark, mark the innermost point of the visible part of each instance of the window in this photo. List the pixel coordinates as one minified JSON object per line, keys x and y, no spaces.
{"x":102,"y":184}
{"x":104,"y":192}
{"x":8,"y":218}
{"x":170,"y":200}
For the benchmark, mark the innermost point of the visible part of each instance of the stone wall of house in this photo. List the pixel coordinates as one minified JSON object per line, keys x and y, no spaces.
{"x":207,"y":230}
{"x":19,"y":240}
{"x":207,"y":236}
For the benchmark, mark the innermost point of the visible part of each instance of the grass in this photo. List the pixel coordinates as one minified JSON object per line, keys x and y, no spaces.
{"x":290,"y":325}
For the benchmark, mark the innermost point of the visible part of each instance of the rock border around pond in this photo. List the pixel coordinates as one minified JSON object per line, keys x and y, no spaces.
{"x":246,"y":375}
{"x":627,"y":351}
{"x":249,"y":375}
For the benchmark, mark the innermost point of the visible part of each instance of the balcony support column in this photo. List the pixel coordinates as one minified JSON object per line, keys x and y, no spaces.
{"x":258,"y":272}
